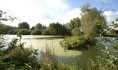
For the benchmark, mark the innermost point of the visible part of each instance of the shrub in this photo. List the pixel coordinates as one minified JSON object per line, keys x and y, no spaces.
{"x":45,"y":32}
{"x":12,"y":31}
{"x":76,"y":31}
{"x":21,"y":55}
{"x":73,"y":42}
{"x":24,"y":32}
{"x":18,"y":57}
{"x":115,"y":45}
{"x":36,"y":32}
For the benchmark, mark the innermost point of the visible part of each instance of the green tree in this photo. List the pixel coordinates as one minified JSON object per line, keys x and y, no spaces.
{"x":92,"y":21}
{"x":23,"y":25}
{"x":38,"y":26}
{"x":76,"y":31}
{"x":24,"y":32}
{"x":45,"y":32}
{"x":75,"y":22}
{"x":57,"y":29}
{"x":36,"y":32}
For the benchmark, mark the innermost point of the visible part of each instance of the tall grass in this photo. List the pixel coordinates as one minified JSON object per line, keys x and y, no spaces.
{"x":49,"y":61}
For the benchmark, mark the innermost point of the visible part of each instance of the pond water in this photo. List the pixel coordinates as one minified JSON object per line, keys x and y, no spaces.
{"x":40,"y":42}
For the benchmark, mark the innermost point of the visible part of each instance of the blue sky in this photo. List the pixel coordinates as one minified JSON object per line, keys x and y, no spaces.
{"x":106,"y":4}
{"x":47,"y":11}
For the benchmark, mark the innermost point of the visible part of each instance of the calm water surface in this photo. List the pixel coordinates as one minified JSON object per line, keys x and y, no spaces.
{"x":40,"y":42}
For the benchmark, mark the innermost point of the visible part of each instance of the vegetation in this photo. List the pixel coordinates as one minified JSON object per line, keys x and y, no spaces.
{"x":36,"y":32}
{"x":75,"y":22}
{"x":24,"y":32}
{"x":57,"y":29}
{"x":95,"y":55}
{"x":76,"y":32}
{"x":92,"y":22}
{"x":23,"y":25}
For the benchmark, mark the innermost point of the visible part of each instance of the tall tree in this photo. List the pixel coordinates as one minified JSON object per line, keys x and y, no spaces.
{"x":92,"y":21}
{"x":23,"y":25}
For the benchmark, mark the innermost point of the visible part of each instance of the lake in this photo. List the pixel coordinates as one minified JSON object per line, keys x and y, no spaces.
{"x":40,"y":42}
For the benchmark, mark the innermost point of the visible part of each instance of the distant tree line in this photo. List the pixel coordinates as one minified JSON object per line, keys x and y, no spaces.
{"x":24,"y":29}
{"x":74,"y":27}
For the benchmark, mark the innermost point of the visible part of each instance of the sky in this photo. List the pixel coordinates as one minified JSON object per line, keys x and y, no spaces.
{"x":48,"y":11}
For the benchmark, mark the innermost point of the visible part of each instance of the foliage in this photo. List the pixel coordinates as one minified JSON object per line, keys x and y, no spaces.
{"x":75,"y":22}
{"x":76,"y":32}
{"x":45,"y":32}
{"x":2,"y":28}
{"x":38,"y":26}
{"x":48,"y":59}
{"x":23,"y":25}
{"x":6,"y":29}
{"x":112,"y":29}
{"x":7,"y":17}
{"x":92,"y":22}
{"x":24,"y":32}
{"x":17,"y":57}
{"x":12,"y":31}
{"x":57,"y":29}
{"x":115,"y":45}
{"x":73,"y":42}
{"x":36,"y":32}
{"x":106,"y":60}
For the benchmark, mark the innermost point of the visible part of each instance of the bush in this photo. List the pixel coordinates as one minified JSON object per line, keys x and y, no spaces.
{"x":17,"y":57}
{"x":12,"y":31}
{"x":36,"y":32}
{"x":115,"y":45}
{"x":76,"y":31}
{"x":73,"y":42}
{"x":21,"y":55}
{"x":24,"y":32}
{"x":45,"y":32}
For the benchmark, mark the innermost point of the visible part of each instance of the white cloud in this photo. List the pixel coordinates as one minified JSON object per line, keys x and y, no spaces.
{"x":76,"y":12}
{"x":57,"y":4}
{"x":44,"y":11}
{"x":111,"y":15}
{"x":34,"y":11}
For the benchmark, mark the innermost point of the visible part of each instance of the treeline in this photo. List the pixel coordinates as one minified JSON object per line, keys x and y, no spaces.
{"x":69,"y":29}
{"x":39,"y":29}
{"x":24,"y":29}
{"x":76,"y":26}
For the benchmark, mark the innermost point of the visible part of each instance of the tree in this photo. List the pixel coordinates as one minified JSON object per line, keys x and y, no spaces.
{"x":57,"y":29}
{"x":24,"y":32}
{"x":23,"y":25}
{"x":38,"y":26}
{"x":92,"y":22}
{"x":36,"y":32}
{"x":75,"y":22}
{"x":45,"y":32}
{"x":5,"y":28}
{"x":76,"y":31}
